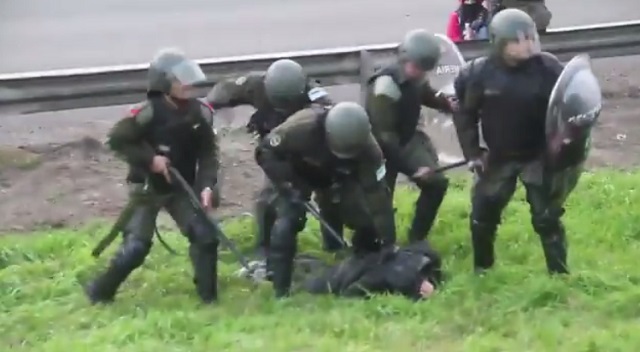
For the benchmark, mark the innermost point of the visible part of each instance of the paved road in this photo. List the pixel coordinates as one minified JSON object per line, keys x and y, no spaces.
{"x":46,"y":34}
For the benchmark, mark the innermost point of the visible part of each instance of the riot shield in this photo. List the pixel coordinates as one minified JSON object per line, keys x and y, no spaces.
{"x":439,"y":126}
{"x":574,"y":107}
{"x":446,"y":70}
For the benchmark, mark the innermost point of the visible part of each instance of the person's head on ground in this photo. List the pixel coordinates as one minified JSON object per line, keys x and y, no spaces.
{"x":173,"y":74}
{"x":419,"y":52}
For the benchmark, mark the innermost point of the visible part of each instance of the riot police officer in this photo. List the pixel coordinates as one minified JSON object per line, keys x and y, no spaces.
{"x":330,"y":151}
{"x":169,"y":128}
{"x":507,"y":93}
{"x":276,"y":94}
{"x":395,"y":96}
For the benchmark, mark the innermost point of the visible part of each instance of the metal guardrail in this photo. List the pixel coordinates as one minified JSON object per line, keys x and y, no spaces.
{"x":103,"y":86}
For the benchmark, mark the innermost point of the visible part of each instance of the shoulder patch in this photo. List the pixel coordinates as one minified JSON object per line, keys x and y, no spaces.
{"x":384,"y":85}
{"x":142,"y":112}
{"x":240,"y":81}
{"x":316,"y":93}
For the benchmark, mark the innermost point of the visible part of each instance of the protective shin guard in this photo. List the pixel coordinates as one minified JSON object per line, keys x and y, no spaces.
{"x":329,"y":242}
{"x":265,"y":219}
{"x":130,"y":256}
{"x":280,"y":264}
{"x":483,"y":237}
{"x":554,"y":246}
{"x":205,"y":269}
{"x":426,"y":209}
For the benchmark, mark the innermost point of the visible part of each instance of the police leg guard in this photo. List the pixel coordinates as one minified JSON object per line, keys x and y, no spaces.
{"x":426,"y":208}
{"x":203,"y":252}
{"x":280,"y":258}
{"x":331,"y":244}
{"x":554,"y":242}
{"x":483,"y":237}
{"x":129,"y":257}
{"x":265,"y":218}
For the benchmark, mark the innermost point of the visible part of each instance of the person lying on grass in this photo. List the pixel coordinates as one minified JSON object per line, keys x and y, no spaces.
{"x":413,"y":271}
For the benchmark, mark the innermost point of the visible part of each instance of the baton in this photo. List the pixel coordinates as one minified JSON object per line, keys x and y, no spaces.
{"x":213,"y":226}
{"x":316,"y":214}
{"x":450,"y":166}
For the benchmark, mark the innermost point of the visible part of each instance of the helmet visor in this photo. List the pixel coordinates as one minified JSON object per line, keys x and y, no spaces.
{"x":522,"y":46}
{"x":188,"y":73}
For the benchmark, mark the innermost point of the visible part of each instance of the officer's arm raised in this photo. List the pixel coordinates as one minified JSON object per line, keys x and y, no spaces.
{"x":232,"y":93}
{"x":208,"y":152}
{"x":384,"y":117}
{"x":126,"y":137}
{"x":466,"y":119}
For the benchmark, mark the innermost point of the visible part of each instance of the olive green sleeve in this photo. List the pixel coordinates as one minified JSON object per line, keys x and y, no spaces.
{"x":232,"y":93}
{"x":383,"y":117}
{"x":431,"y":99}
{"x":208,"y":153}
{"x":126,"y":138}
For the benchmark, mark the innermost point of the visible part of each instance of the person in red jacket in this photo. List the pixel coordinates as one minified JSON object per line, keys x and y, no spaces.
{"x":469,"y":21}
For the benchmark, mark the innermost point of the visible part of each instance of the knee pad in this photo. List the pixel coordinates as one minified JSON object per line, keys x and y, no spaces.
{"x":284,"y":233}
{"x":548,"y":222}
{"x":201,"y":234}
{"x":436,"y":185}
{"x":487,"y":210}
{"x":132,"y":253}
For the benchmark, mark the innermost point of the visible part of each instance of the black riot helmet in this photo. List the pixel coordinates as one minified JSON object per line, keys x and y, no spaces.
{"x":513,"y":35}
{"x":171,"y":65}
{"x":285,"y":83}
{"x":347,"y":129}
{"x":420,"y":47}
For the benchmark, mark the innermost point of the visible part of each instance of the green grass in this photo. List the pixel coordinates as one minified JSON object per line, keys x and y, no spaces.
{"x":516,"y":307}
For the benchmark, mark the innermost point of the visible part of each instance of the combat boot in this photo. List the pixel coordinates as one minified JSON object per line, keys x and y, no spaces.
{"x":483,"y":238}
{"x":554,"y":246}
{"x":130,"y":256}
{"x":426,"y":209}
{"x":103,"y":289}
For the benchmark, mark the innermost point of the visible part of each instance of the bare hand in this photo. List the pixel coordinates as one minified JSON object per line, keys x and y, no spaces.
{"x":160,"y":165}
{"x":206,"y":198}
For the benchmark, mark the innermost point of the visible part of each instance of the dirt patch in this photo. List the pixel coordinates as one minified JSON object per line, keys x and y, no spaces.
{"x":82,"y":180}
{"x":45,"y":182}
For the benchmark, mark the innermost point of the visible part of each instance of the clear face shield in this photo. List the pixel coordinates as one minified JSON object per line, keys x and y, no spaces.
{"x":523,"y":47}
{"x":184,"y":75}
